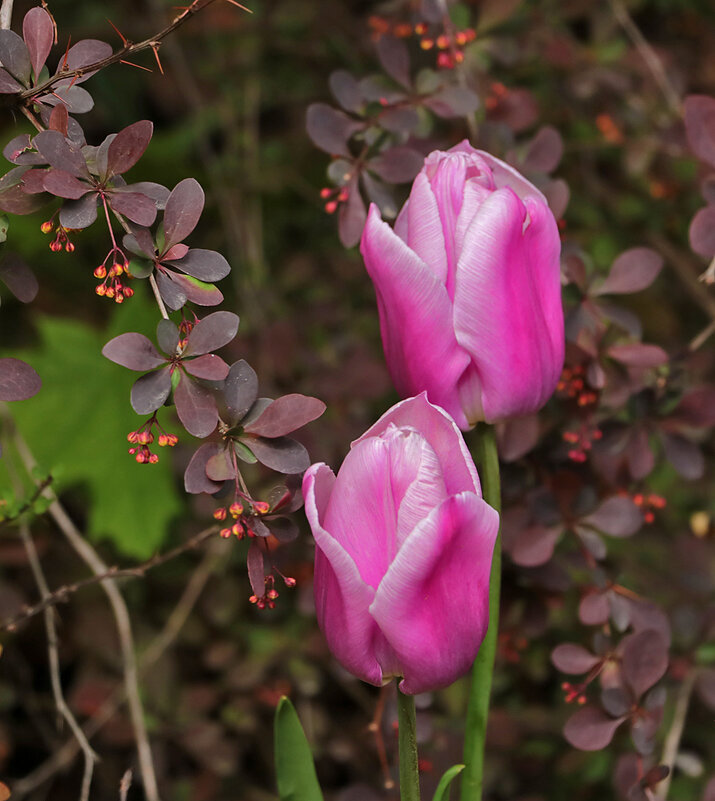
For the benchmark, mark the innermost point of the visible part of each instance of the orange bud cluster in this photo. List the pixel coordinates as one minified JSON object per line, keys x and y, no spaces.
{"x":582,"y":440}
{"x":111,"y":286}
{"x":649,"y":503}
{"x":334,"y":197}
{"x":61,"y":240}
{"x":572,"y":385}
{"x":143,"y":437}
{"x":268,"y":599}
{"x":609,"y":130}
{"x":497,"y":93}
{"x":573,"y":693}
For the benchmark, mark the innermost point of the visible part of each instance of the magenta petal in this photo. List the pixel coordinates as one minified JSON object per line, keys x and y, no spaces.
{"x":425,"y":231}
{"x":342,"y":598}
{"x":440,"y":431}
{"x":415,"y":319}
{"x":433,"y":604}
{"x":507,"y":306}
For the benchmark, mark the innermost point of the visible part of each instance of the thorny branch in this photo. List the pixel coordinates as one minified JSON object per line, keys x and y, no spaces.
{"x":128,"y":49}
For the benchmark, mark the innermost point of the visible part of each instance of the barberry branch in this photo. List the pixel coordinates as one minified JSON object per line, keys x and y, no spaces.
{"x":6,"y":14}
{"x":128,"y":48}
{"x":675,"y":733}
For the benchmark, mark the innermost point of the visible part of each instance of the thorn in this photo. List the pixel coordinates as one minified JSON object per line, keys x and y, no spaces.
{"x":125,"y":41}
{"x":234,"y":3}
{"x":155,"y":50}
{"x":132,"y":64}
{"x":67,"y":50}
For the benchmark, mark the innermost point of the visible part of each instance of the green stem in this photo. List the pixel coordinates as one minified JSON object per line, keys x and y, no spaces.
{"x":485,"y":452}
{"x":409,"y":771}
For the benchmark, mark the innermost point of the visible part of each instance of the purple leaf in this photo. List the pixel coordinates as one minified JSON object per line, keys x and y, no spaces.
{"x":286,"y":414}
{"x":196,"y":407}
{"x":616,"y":701}
{"x":699,"y":113}
{"x":351,"y":216}
{"x":330,"y":129}
{"x":175,"y":253}
{"x":380,"y":194}
{"x":257,"y":408}
{"x":638,"y":354}
{"x":33,"y":181}
{"x":167,"y":335}
{"x":139,"y":242}
{"x":137,"y":207}
{"x":17,"y":201}
{"x":685,"y":456}
{"x":534,"y":545}
{"x":220,"y":467}
{"x":20,"y":151}
{"x":282,"y":454}
{"x":283,"y":529}
{"x":156,"y":192}
{"x":240,"y":390}
{"x":557,"y":193}
{"x":134,"y":351}
{"x":594,"y":609}
{"x":640,"y":456}
{"x":632,"y":271}
{"x":62,"y":184}
{"x":8,"y":85}
{"x":702,"y":232}
{"x":79,"y":213}
{"x":84,"y":53}
{"x":517,"y":436}
{"x":15,"y":56}
{"x":575,"y":659}
{"x":18,"y":278}
{"x":256,"y":570}
{"x":195,"y":478}
{"x":59,"y":119}
{"x":644,"y":660}
{"x":346,"y":90}
{"x":150,"y":391}
{"x":61,"y":154}
{"x":211,"y":333}
{"x":18,"y":381}
{"x":544,"y":152}
{"x":396,"y":165}
{"x":592,"y":542}
{"x":617,"y":516}
{"x":643,"y":731}
{"x":453,"y":101}
{"x":395,"y":59}
{"x":210,"y":367}
{"x":196,"y":291}
{"x":171,"y":292}
{"x":128,"y":146}
{"x":645,"y":615}
{"x":206,"y":265}
{"x":39,"y":34}
{"x":705,"y":685}
{"x":590,"y":729}
{"x":697,"y":408}
{"x":182,"y":212}
{"x":399,"y":120}
{"x":76,"y":99}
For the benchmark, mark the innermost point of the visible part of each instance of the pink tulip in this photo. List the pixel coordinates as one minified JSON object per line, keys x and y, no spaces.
{"x":468,"y":288}
{"x":404,"y":550}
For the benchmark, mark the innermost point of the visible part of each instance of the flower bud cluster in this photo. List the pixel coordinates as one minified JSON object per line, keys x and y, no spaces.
{"x":112,"y":286}
{"x":61,"y":239}
{"x":143,"y":437}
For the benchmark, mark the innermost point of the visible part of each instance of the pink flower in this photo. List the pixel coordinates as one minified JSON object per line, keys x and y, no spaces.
{"x":404,"y":550}
{"x":468,"y":288}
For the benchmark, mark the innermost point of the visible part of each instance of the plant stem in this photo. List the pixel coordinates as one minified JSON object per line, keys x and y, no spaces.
{"x":409,"y":772}
{"x":485,"y":452}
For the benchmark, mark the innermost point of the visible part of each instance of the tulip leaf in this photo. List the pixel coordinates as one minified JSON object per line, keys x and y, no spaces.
{"x":295,"y":771}
{"x":442,"y":791}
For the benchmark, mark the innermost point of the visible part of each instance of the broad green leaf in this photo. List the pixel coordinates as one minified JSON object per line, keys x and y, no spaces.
{"x":79,"y":423}
{"x":442,"y":791}
{"x":295,"y":772}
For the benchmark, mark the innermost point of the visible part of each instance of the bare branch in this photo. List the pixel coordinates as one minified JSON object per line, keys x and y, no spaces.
{"x":672,"y":738}
{"x":6,"y":14}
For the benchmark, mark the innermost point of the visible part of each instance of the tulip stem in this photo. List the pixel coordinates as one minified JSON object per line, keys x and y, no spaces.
{"x":485,"y":452}
{"x":409,"y":770}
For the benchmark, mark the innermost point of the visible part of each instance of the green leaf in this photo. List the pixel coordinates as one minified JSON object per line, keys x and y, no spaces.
{"x":442,"y":791}
{"x":295,"y":772}
{"x":77,"y":427}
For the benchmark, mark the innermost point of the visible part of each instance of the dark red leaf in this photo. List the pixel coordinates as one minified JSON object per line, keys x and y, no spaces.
{"x":330,"y":129}
{"x":395,"y":59}
{"x":256,"y":570}
{"x":590,"y":729}
{"x":171,"y":291}
{"x":645,"y":615}
{"x":79,"y":213}
{"x":128,"y":146}
{"x":699,"y":113}
{"x":75,"y":99}
{"x":195,"y":478}
{"x":517,"y":436}
{"x":8,"y":85}
{"x":16,"y":201}
{"x":140,"y":242}
{"x":351,"y":216}
{"x":175,"y":253}
{"x":59,"y":119}
{"x":644,"y":728}
{"x":705,"y":685}
{"x":379,"y":193}
{"x":655,"y":775}
{"x":210,"y":366}
{"x":399,"y":120}
{"x":240,"y":390}
{"x":196,"y":407}
{"x":544,"y":152}
{"x":282,"y":454}
{"x":494,"y":12}
{"x":182,"y":212}
{"x":632,"y":271}
{"x":84,"y":53}
{"x":396,"y":165}
{"x":14,"y":56}
{"x":33,"y":181}
{"x":21,"y":151}
{"x":638,"y":354}
{"x":18,"y":277}
{"x":133,"y":205}
{"x":18,"y":381}
{"x":644,"y":660}
{"x":594,"y":609}
{"x":616,"y":701}
{"x":285,"y":415}
{"x":617,"y":516}
{"x":557,"y":193}
{"x":62,"y":184}
{"x":206,"y":265}
{"x":61,"y":154}
{"x":696,"y":408}
{"x":685,"y":456}
{"x":640,"y":456}
{"x":534,"y":545}
{"x":570,"y":658}
{"x":156,"y":192}
{"x":198,"y":292}
{"x":211,"y":333}
{"x":220,"y":467}
{"x":346,"y":90}
{"x":150,"y":391}
{"x":702,"y":232}
{"x":167,"y":335}
{"x":39,"y":34}
{"x":134,"y":351}
{"x":453,"y":101}
{"x":284,"y":529}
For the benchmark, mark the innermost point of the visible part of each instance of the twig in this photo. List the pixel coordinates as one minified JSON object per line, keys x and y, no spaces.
{"x":92,"y":559}
{"x":124,"y":785}
{"x":672,"y":738}
{"x":129,"y":48}
{"x":6,"y":14}
{"x":648,"y":54}
{"x":157,"y":296}
{"x":699,"y":340}
{"x":61,"y":594}
{"x":30,"y":502}
{"x":66,"y":753}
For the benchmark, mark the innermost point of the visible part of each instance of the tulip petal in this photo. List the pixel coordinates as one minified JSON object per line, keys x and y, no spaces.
{"x":342,"y":598}
{"x":415,"y":319}
{"x":507,"y":306}
{"x":440,"y":430}
{"x":433,"y":604}
{"x":427,"y":234}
